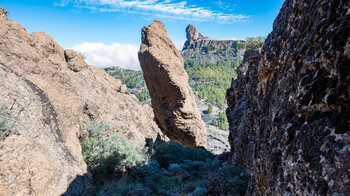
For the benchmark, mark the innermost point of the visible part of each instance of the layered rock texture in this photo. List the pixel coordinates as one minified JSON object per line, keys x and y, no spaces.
{"x":289,"y":108}
{"x":173,"y":104}
{"x":52,"y":94}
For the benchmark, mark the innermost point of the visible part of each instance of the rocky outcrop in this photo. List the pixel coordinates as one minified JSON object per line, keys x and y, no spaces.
{"x":34,"y":158}
{"x":191,"y":32}
{"x":200,"y":43}
{"x":289,"y":109}
{"x":74,"y":60}
{"x":174,"y":106}
{"x":205,"y":50}
{"x":3,"y":12}
{"x":200,"y":36}
{"x":50,"y":104}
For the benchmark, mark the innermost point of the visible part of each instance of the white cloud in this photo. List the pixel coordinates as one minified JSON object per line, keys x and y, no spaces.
{"x":179,"y":44}
{"x":116,"y":54}
{"x":160,"y":8}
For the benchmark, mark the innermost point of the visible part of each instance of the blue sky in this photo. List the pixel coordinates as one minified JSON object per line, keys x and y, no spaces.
{"x":108,"y":32}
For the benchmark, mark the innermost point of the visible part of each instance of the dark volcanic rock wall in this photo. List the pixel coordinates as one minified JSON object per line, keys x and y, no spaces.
{"x":289,"y":108}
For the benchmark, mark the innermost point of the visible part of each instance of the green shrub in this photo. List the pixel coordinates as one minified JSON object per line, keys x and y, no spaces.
{"x":167,"y":153}
{"x":174,"y":167}
{"x":209,"y":48}
{"x":210,"y":109}
{"x":255,"y":42}
{"x":6,"y":125}
{"x":199,"y":192}
{"x":5,"y":128}
{"x":212,"y":164}
{"x":112,"y":152}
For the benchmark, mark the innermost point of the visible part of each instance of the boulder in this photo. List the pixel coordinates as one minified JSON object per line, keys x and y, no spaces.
{"x":75,"y":61}
{"x":173,"y":103}
{"x":289,"y":108}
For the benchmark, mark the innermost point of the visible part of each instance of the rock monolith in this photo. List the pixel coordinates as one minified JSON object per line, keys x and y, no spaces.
{"x":173,"y":104}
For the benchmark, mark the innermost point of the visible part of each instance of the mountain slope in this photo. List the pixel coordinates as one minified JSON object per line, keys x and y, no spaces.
{"x":67,"y":95}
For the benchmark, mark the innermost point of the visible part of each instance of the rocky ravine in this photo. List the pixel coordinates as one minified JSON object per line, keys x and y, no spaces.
{"x":174,"y":106}
{"x":289,"y":108}
{"x":53,"y":94}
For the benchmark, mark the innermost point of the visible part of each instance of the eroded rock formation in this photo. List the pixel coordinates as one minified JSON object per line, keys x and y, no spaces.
{"x":289,"y":108}
{"x":191,"y":32}
{"x":174,"y":106}
{"x":75,"y":61}
{"x":206,"y":50}
{"x":198,"y":44}
{"x":52,"y":94}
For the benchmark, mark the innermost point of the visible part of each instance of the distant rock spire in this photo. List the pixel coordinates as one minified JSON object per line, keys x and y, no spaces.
{"x":191,"y":32}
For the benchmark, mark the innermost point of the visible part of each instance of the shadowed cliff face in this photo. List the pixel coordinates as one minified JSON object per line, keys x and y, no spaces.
{"x":289,"y":108}
{"x":173,"y":104}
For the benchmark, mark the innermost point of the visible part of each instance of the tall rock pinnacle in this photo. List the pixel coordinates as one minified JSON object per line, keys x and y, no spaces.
{"x":174,"y":106}
{"x":191,"y":32}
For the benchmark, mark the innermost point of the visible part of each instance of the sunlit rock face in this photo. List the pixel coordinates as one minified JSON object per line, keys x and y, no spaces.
{"x":289,"y":108}
{"x":51,"y":94}
{"x":173,"y":103}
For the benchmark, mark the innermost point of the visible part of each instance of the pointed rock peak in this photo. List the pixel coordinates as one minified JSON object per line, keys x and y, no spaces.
{"x":156,"y":26}
{"x":191,"y":32}
{"x":3,"y":12}
{"x":201,"y":36}
{"x":155,"y":36}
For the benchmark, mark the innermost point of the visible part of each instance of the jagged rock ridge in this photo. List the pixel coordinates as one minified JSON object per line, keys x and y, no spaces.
{"x":206,"y":50}
{"x":174,"y":106}
{"x":52,"y":95}
{"x":202,"y":41}
{"x":289,"y":108}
